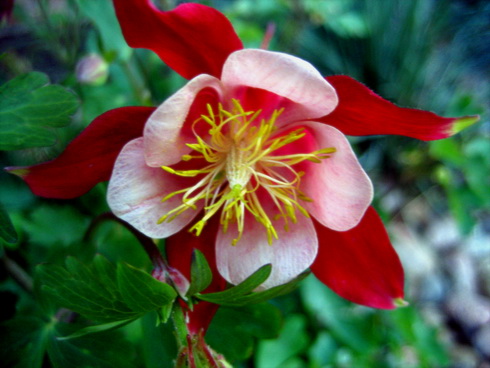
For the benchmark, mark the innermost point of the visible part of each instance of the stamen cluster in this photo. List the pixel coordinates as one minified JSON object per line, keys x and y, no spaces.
{"x":240,"y":167}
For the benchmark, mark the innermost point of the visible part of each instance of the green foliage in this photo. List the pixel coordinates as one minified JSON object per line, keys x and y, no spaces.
{"x":103,"y":15}
{"x":103,"y":292}
{"x":140,"y":291}
{"x":69,"y":222}
{"x":292,"y":340}
{"x":26,"y":340}
{"x":201,"y":275}
{"x":353,"y":336}
{"x":7,"y":231}
{"x":29,"y":108}
{"x":464,"y":177}
{"x":241,"y":294}
{"x":407,"y":51}
{"x":157,"y":341}
{"x":97,"y":328}
{"x":245,"y":287}
{"x":234,"y":330}
{"x":238,"y":295}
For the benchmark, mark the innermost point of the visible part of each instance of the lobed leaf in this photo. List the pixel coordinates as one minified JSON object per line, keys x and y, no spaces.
{"x":29,"y":108}
{"x":140,"y":291}
{"x":103,"y":292}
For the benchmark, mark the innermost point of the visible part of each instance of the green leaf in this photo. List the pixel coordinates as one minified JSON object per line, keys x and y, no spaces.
{"x":265,"y":295}
{"x":84,"y":294}
{"x":233,"y":331}
{"x":102,"y":14}
{"x":71,"y":225}
{"x":140,"y":291}
{"x":322,"y":351}
{"x":27,"y":339}
{"x":418,"y":333}
{"x":164,"y":313}
{"x":159,"y":347}
{"x":292,"y":340}
{"x":29,"y":108}
{"x":23,"y":342}
{"x":332,"y":311}
{"x":97,"y":328}
{"x":103,"y":292}
{"x":245,"y":287}
{"x":7,"y":231}
{"x":257,"y":297}
{"x":201,"y":275}
{"x":103,"y":350}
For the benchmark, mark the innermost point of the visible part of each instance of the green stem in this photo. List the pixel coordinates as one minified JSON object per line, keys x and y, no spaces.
{"x":140,"y":93}
{"x":18,"y":274}
{"x":181,"y":332}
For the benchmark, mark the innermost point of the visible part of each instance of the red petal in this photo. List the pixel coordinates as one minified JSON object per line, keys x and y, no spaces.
{"x":179,"y":249}
{"x":192,"y":39}
{"x":363,"y":112}
{"x":360,"y":264}
{"x":89,"y":158}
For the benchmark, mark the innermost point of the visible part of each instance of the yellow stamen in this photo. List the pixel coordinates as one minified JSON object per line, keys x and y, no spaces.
{"x":239,"y":152}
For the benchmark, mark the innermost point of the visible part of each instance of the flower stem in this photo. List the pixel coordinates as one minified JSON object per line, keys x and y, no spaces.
{"x":17,"y":273}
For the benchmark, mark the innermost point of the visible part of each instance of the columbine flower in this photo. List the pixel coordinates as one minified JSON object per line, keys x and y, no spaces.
{"x":250,"y":157}
{"x":245,"y":149}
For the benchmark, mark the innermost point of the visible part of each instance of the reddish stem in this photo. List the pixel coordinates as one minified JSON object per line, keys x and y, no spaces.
{"x":192,"y":362}
{"x":207,"y":352}
{"x":269,"y":34}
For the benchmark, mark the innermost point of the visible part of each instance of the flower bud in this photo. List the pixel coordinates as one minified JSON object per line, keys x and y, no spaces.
{"x":92,"y":70}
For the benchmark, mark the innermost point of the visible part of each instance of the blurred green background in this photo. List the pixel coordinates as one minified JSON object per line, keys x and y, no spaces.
{"x":434,"y":197}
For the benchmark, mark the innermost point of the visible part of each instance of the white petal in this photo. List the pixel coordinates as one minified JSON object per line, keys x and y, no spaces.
{"x":136,"y":190}
{"x":291,"y":254}
{"x":164,"y":143}
{"x":285,"y":75}
{"x":339,"y":187}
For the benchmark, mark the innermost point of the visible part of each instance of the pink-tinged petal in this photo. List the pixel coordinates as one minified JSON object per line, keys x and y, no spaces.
{"x":89,"y":158}
{"x":192,"y":39}
{"x":136,"y":191}
{"x":179,"y":248}
{"x":362,"y":112}
{"x":169,"y":127}
{"x":284,"y":75}
{"x":360,"y":264}
{"x":291,"y":254}
{"x":339,"y":187}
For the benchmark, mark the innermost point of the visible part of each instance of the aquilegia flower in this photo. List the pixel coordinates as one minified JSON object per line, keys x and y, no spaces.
{"x":245,"y":148}
{"x":247,"y":162}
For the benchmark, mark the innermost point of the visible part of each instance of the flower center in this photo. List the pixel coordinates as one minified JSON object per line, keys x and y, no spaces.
{"x":241,"y":166}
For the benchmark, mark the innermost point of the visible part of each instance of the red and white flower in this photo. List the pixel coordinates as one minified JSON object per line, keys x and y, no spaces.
{"x":248,"y":162}
{"x":247,"y":149}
